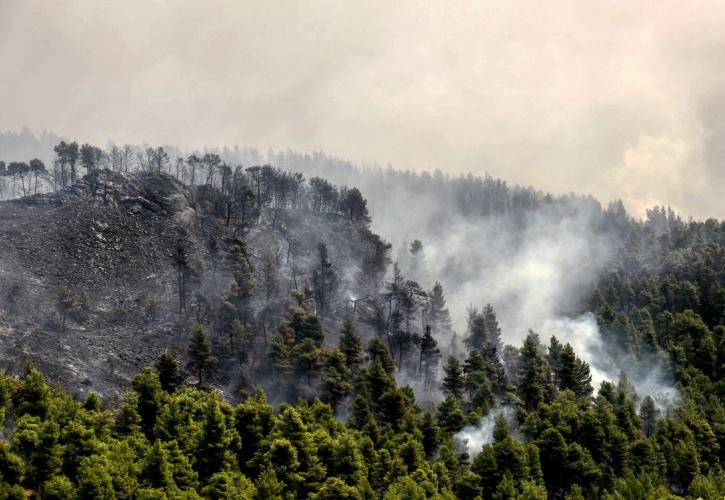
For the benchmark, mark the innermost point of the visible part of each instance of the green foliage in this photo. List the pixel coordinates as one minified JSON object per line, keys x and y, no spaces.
{"x":200,"y":359}
{"x":350,"y":346}
{"x":535,"y":375}
{"x":169,"y":441}
{"x":572,"y":373}
{"x":483,"y":329}
{"x":58,"y":488}
{"x":336,"y":378}
{"x":148,"y":387}
{"x":453,"y":382}
{"x":168,"y":371}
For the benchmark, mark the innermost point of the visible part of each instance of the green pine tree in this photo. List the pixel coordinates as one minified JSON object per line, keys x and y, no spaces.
{"x":200,"y":359}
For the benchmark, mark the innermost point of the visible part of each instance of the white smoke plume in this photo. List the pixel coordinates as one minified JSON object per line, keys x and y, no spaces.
{"x":472,"y":437}
{"x":649,"y":378}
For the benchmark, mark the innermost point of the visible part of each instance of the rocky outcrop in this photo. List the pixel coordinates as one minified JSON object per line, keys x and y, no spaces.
{"x":157,"y":193}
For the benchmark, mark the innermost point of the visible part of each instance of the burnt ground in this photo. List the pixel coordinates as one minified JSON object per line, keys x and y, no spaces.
{"x":109,"y":240}
{"x":113,"y":253}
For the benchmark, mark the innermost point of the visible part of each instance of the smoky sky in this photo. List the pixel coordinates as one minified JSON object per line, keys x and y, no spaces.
{"x":617,"y":99}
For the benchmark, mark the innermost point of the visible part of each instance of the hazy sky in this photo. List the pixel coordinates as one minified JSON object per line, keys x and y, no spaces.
{"x":618,"y":99}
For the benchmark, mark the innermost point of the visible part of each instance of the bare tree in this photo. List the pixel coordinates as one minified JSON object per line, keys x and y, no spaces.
{"x":116,"y":157}
{"x":161,"y":159}
{"x":211,"y":162}
{"x":194,"y":162}
{"x":126,"y":156}
{"x":37,"y":168}
{"x":181,"y":262}
{"x":180,"y":169}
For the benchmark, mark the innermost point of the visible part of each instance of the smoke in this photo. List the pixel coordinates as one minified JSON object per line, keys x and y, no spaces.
{"x":530,"y":271}
{"x":569,"y":96}
{"x":473,"y":437}
{"x":535,"y":267}
{"x":649,"y":377}
{"x":536,"y":271}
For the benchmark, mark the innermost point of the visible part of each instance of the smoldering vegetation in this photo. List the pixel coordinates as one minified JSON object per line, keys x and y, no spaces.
{"x":473,"y":437}
{"x":537,"y":259}
{"x":492,"y":323}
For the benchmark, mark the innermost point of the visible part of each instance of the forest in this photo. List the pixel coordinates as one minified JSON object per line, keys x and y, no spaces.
{"x":312,"y":358}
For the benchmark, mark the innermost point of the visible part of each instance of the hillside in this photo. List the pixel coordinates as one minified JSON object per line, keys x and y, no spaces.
{"x":250,"y":336}
{"x":110,"y":240}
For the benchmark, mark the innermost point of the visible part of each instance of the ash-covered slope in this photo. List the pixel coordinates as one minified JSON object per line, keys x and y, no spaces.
{"x":109,"y":243}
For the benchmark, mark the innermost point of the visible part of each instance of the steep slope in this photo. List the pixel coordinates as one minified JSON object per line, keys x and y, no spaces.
{"x":110,"y":241}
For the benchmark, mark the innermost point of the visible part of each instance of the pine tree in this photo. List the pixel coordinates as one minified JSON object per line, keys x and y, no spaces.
{"x":324,"y":281}
{"x":239,"y":336}
{"x":362,"y":413}
{"x":493,"y":366}
{"x":92,"y":403}
{"x":306,"y":359}
{"x":148,"y":387}
{"x":484,"y":464}
{"x":156,"y":471}
{"x":227,"y":484}
{"x":94,"y":480}
{"x":554,"y":356}
{"x":214,"y":441}
{"x":478,"y":387}
{"x":453,"y":382}
{"x":477,"y":336}
{"x":33,"y":398}
{"x":554,"y":462}
{"x":378,"y":352}
{"x":686,"y":465}
{"x":505,"y":489}
{"x":483,"y":329}
{"x":350,"y":345}
{"x":429,"y":356}
{"x":268,"y":486}
{"x":303,"y":322}
{"x":431,"y":434}
{"x":534,"y":378}
{"x":280,"y":350}
{"x":649,"y":414}
{"x":240,"y":290}
{"x":417,"y":259}
{"x":168,"y":371}
{"x":438,"y":314}
{"x":336,"y":378}
{"x":493,"y":331}
{"x":500,"y":429}
{"x":642,"y":321}
{"x":199,"y":352}
{"x":449,"y":415}
{"x":573,"y":373}
{"x":184,"y":475}
{"x":55,"y":488}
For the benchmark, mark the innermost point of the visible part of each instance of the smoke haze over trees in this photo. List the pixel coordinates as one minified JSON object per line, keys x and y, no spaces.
{"x":505,"y":342}
{"x":362,"y":250}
